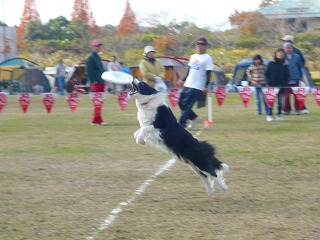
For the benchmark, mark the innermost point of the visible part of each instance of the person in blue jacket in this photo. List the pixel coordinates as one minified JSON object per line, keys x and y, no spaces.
{"x":295,"y":76}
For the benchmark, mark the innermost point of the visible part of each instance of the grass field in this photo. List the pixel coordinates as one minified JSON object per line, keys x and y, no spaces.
{"x":61,"y":179}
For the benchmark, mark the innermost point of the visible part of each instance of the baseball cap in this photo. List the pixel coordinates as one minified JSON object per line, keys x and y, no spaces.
{"x":148,"y":49}
{"x":96,"y":43}
{"x":287,"y":38}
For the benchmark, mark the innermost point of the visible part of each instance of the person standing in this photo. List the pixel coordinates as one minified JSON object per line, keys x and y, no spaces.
{"x":94,"y":69}
{"x":152,"y":70}
{"x":277,"y":75}
{"x":256,"y":73}
{"x":290,"y":39}
{"x":295,"y":76}
{"x":61,"y":75}
{"x":195,"y":83}
{"x":114,"y":65}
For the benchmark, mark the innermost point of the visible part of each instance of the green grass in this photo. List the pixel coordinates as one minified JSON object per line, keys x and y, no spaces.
{"x":60,"y":177}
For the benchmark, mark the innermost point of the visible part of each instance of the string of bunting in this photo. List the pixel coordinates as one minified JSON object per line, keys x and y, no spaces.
{"x":220,"y":93}
{"x":73,"y":100}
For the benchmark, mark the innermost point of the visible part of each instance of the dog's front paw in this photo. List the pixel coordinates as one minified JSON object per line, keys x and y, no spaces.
{"x":136,"y":133}
{"x":140,"y":139}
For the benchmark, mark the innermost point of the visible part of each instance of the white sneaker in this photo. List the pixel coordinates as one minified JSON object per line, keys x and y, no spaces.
{"x":280,"y":117}
{"x":97,"y":124}
{"x":305,"y":111}
{"x":194,"y":122}
{"x":269,"y":118}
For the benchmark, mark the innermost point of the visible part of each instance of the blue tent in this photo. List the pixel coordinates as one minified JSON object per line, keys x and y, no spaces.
{"x":22,"y":75}
{"x":239,"y":72}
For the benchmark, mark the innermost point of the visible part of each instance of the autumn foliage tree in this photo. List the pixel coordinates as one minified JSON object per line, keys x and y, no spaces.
{"x":247,"y":23}
{"x":29,"y":14}
{"x":128,"y":25}
{"x":83,"y":12}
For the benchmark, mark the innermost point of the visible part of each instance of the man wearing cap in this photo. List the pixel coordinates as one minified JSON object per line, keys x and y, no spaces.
{"x":94,"y":69}
{"x":152,"y":70}
{"x":290,"y":39}
{"x":295,"y":76}
{"x":195,"y":83}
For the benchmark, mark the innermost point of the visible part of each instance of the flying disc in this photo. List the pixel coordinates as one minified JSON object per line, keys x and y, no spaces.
{"x":117,"y":77}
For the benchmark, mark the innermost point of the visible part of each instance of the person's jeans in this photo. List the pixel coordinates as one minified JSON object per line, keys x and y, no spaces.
{"x":188,"y":97}
{"x":280,"y":101}
{"x":61,"y":84}
{"x":258,"y":96}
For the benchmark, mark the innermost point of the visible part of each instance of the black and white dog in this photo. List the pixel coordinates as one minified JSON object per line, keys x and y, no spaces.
{"x":159,"y":127}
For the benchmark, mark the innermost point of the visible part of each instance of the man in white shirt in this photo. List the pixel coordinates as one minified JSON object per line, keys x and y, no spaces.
{"x":114,"y":65}
{"x":195,"y":83}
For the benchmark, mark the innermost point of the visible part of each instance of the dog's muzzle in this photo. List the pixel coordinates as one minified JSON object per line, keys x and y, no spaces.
{"x":134,"y":86}
{"x":138,"y":86}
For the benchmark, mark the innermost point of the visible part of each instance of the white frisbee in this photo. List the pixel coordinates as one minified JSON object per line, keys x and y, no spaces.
{"x":117,"y":77}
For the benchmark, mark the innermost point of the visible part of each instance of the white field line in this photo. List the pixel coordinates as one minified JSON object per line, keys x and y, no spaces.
{"x":116,"y":211}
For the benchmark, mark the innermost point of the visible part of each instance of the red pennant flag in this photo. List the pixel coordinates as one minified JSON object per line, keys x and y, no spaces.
{"x":73,"y":100}
{"x":3,"y":99}
{"x":123,"y":100}
{"x":245,"y":94}
{"x":300,"y":93}
{"x":174,"y":95}
{"x":24,"y":100}
{"x":48,"y":100}
{"x":221,"y":93}
{"x":97,"y":98}
{"x":270,"y":94}
{"x":316,"y":94}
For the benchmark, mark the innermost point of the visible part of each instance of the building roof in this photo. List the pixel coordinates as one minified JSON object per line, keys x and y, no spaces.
{"x":292,"y":9}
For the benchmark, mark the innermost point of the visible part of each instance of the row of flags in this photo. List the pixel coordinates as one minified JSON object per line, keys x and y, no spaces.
{"x":220,"y":93}
{"x":73,"y":99}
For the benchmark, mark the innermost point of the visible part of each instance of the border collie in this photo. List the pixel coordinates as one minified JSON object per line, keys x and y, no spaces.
{"x":159,"y":127}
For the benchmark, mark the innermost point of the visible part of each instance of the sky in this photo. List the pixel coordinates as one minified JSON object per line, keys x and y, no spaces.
{"x":111,"y":11}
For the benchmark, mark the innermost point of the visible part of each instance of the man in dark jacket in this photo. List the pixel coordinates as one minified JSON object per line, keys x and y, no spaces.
{"x":277,"y":75}
{"x":94,"y":69}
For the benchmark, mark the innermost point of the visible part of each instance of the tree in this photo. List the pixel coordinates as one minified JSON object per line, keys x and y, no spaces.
{"x":29,"y":14}
{"x":82,"y":11}
{"x":249,"y":23}
{"x":34,"y":31}
{"x":128,"y":25}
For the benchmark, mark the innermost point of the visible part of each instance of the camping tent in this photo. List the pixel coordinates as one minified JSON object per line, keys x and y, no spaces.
{"x":78,"y":75}
{"x":239,"y":72}
{"x":177,"y":67}
{"x":22,"y":75}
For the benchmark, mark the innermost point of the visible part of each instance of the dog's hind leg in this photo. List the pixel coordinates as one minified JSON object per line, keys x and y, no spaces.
{"x":220,"y":179}
{"x":207,"y":181}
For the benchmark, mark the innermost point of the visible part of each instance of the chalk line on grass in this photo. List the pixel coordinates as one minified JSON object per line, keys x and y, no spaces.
{"x":115,"y":212}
